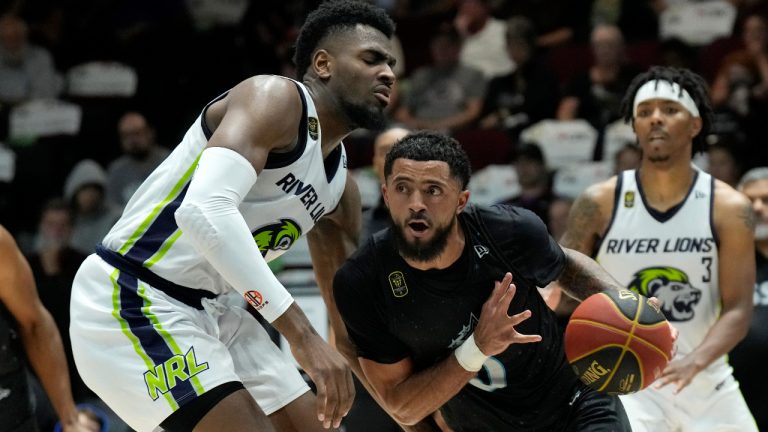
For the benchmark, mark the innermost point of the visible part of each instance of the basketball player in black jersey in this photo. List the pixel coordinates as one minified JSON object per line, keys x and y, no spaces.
{"x":444,"y":311}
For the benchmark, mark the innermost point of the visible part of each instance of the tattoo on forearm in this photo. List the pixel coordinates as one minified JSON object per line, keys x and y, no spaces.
{"x":583,"y":277}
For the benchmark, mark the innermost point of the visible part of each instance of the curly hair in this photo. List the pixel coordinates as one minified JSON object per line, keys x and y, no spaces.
{"x":431,"y":146}
{"x":334,"y":17}
{"x":690,"y":81}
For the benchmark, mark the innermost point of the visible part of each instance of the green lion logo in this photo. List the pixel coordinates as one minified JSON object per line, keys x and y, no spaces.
{"x":672,"y":287}
{"x":277,"y":236}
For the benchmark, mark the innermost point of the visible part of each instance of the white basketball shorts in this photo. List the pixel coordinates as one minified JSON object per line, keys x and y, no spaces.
{"x":710,"y":403}
{"x":146,"y":354}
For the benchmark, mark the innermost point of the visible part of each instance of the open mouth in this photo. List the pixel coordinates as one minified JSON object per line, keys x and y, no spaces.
{"x":418,"y":227}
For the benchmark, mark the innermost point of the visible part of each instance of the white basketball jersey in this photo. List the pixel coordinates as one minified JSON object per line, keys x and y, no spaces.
{"x":670,"y":255}
{"x":291,"y":193}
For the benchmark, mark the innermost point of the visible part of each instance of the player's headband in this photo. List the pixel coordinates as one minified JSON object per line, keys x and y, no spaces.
{"x":663,"y":89}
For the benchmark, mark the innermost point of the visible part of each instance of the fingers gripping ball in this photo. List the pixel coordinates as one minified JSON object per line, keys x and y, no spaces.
{"x":618,"y":342}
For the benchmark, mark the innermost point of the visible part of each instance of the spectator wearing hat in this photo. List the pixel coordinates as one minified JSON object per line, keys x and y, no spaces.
{"x":93,"y":215}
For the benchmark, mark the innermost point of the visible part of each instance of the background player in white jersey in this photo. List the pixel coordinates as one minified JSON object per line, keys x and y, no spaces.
{"x":260,"y":167}
{"x":671,"y":231}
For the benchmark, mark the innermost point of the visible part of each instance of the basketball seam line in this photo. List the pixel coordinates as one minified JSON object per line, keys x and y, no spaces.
{"x":625,"y":348}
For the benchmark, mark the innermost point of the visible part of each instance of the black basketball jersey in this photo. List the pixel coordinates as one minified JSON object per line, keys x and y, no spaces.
{"x":393,"y":311}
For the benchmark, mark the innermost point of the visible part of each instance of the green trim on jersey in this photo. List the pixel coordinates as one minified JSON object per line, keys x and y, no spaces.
{"x":159,"y":207}
{"x":163,"y":249}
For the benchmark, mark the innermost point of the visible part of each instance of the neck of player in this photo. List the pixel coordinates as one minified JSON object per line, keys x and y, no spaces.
{"x":666,"y":186}
{"x":333,"y":122}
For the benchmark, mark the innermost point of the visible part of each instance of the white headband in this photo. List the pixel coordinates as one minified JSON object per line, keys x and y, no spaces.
{"x":663,"y":89}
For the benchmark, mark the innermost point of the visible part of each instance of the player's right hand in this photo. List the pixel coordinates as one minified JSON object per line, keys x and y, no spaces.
{"x":331,"y":375}
{"x":495,"y":329}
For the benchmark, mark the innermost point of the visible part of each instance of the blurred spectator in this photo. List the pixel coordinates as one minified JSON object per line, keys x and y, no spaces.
{"x":742,"y":78}
{"x":527,"y":95}
{"x":676,"y":53}
{"x":54,"y":264}
{"x":26,"y":71}
{"x":141,"y":155}
{"x":28,"y":334}
{"x":558,"y":216}
{"x":627,"y":158}
{"x":561,"y":22}
{"x":483,"y":46}
{"x":596,"y":94}
{"x":93,"y":215}
{"x":377,"y":217}
{"x":446,"y":95}
{"x":751,"y":354}
{"x":535,"y":181}
{"x":723,"y":163}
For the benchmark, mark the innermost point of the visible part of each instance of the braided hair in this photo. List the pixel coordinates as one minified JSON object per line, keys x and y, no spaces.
{"x":690,"y":81}
{"x":334,"y":17}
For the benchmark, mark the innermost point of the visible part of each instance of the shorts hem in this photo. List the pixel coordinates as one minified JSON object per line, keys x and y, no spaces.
{"x":282,"y":402}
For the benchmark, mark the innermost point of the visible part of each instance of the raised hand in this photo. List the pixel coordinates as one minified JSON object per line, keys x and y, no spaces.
{"x":495,"y":329}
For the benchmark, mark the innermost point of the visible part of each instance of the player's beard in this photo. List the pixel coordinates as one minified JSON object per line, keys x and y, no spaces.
{"x":364,"y":116}
{"x":420,"y":250}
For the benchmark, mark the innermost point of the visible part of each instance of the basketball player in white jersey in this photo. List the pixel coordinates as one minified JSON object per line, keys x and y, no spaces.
{"x":261,"y":166}
{"x":671,"y":231}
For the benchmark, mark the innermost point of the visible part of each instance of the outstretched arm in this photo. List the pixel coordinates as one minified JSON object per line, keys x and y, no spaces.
{"x":333,"y":239}
{"x":39,"y":334}
{"x":412,"y":396}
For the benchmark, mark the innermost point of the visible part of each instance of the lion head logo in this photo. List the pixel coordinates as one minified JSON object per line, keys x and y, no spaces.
{"x":277,"y":236}
{"x":671,"y":287}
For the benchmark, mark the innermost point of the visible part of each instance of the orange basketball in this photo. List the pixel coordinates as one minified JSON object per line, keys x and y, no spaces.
{"x":618,"y":342}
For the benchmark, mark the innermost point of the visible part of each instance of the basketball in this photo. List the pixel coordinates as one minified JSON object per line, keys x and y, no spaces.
{"x":618,"y":342}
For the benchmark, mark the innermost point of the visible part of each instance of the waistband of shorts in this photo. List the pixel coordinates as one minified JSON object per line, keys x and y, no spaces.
{"x":189,"y":296}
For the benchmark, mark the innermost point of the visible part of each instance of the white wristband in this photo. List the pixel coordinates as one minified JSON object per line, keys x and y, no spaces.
{"x":469,"y":355}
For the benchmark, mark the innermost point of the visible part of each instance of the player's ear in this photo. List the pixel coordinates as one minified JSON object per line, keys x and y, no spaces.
{"x":321,"y":63}
{"x":463,"y":200}
{"x":384,"y":194}
{"x":695,"y":126}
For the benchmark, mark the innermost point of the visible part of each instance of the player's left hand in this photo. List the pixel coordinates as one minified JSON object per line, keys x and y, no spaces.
{"x":680,"y":373}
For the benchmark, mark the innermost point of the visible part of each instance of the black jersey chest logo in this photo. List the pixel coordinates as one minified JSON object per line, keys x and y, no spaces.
{"x":397,"y":283}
